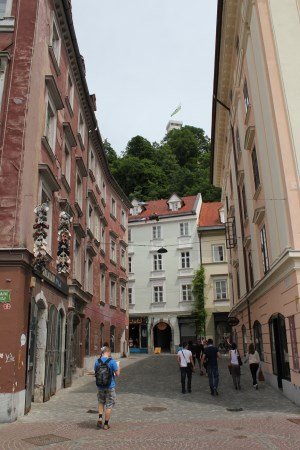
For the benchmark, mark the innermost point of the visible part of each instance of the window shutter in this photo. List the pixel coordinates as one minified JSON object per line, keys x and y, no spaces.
{"x":2,"y":7}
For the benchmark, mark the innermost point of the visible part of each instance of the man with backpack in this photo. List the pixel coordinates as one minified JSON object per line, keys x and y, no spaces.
{"x":106,"y":369}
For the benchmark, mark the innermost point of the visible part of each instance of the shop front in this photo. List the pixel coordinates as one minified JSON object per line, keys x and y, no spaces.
{"x":138,"y":334}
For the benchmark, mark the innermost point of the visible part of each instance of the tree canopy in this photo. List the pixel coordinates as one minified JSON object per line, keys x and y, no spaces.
{"x":180,"y":163}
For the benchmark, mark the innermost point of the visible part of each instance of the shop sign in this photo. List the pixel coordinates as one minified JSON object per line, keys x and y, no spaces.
{"x":54,"y":280}
{"x":5,"y":296}
{"x":137,"y":320}
{"x":233,"y":321}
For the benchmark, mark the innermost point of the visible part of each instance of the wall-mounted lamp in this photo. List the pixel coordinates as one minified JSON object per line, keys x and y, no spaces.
{"x":162,"y":250}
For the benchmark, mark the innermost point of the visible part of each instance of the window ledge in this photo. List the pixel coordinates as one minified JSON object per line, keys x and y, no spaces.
{"x":113,"y":262}
{"x":78,"y":209}
{"x":92,"y":175}
{"x":65,"y":183}
{"x":103,"y":201}
{"x":257,"y":192}
{"x":113,"y":306}
{"x":113,"y":217}
{"x":48,"y":147}
{"x":7,"y":24}
{"x":90,"y":233}
{"x":80,"y":140}
{"x":69,"y":106}
{"x":158,"y":303}
{"x":54,"y":60}
{"x":101,"y":303}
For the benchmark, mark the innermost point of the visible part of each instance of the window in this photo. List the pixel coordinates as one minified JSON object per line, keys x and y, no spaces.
{"x":246,"y":96}
{"x":218,"y":253}
{"x":258,"y":339}
{"x":158,"y":294}
{"x":70,"y":93}
{"x":220,"y":290}
{"x":130,"y":264}
{"x":185,"y":260}
{"x":92,"y":161}
{"x":184,"y":229}
{"x":102,"y":286}
{"x":251,"y":276}
{"x":123,"y":297}
{"x":67,"y":162}
{"x":79,"y":190}
{"x":113,"y":298}
{"x":46,"y":197}
{"x":157,"y":262}
{"x":129,"y":234}
{"x":113,"y":207}
{"x":4,"y":58}
{"x":97,"y":229}
{"x":81,"y":129}
{"x":238,"y":141}
{"x":123,"y":218}
{"x":245,"y":211}
{"x":135,"y":211}
{"x":55,"y":41}
{"x":130,"y":296}
{"x":186,"y":292}
{"x":123,"y":257}
{"x":90,"y":222}
{"x":77,"y":259}
{"x":113,"y":250}
{"x":264,"y":249}
{"x":89,"y":274}
{"x":156,"y":232}
{"x":50,"y":124}
{"x":102,"y":237}
{"x":104,"y":191}
{"x":238,"y":284}
{"x":255,"y":168}
{"x":87,"y":337}
{"x":101,"y":334}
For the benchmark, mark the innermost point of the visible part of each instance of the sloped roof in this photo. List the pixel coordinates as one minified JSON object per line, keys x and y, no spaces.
{"x":209,"y":215}
{"x":161,"y":207}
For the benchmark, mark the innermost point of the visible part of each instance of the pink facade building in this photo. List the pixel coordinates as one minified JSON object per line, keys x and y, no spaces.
{"x":63,"y":241}
{"x":256,"y":160}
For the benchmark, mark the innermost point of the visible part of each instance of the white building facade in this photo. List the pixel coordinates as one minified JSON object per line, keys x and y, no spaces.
{"x":163,"y":254}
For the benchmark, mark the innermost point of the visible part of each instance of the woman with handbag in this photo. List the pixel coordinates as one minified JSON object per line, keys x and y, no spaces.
{"x":234,"y":362}
{"x":254,"y":362}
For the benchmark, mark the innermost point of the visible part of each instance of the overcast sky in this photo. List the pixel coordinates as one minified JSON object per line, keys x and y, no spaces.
{"x":145,"y":57}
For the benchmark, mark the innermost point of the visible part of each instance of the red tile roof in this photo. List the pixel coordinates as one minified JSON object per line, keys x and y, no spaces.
{"x":209,"y":215}
{"x":161,"y":207}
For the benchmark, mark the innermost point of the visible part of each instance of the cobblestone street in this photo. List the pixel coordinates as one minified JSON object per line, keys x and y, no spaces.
{"x":151,"y":413}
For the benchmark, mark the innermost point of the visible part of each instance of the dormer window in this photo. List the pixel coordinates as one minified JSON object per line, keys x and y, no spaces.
{"x":174,"y":203}
{"x":221,"y":214}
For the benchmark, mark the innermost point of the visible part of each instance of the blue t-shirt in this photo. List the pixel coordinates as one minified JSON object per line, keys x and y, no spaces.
{"x":113,"y":368}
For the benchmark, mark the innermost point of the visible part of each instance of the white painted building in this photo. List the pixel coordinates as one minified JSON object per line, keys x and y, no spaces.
{"x":160,"y":284}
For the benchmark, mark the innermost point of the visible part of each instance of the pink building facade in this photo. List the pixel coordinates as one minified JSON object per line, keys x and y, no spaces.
{"x":54,"y":316}
{"x":256,"y":141}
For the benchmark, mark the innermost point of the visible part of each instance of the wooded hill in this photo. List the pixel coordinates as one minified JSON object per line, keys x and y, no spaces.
{"x":180,"y":163}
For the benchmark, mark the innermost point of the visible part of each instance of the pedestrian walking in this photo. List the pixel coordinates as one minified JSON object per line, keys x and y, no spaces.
{"x":198,"y":353}
{"x":186,"y":364}
{"x":210,"y":357}
{"x":254,"y":362}
{"x":234,"y":366}
{"x":106,"y":369}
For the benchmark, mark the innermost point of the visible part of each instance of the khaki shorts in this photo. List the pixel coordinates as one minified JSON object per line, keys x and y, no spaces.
{"x":107,"y":397}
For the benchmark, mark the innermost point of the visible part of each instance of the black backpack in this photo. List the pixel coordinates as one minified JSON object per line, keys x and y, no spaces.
{"x":103,"y":373}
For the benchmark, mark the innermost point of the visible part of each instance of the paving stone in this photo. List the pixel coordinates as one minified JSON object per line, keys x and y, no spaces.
{"x":151,"y":413}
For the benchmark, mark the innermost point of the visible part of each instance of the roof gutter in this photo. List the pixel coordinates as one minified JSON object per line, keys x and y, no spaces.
{"x":216,"y":82}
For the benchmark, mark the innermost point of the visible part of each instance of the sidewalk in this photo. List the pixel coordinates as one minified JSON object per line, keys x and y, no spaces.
{"x":151,"y":413}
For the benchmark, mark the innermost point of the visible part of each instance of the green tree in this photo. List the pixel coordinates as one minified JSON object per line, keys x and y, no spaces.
{"x":139,"y":147}
{"x":199,"y":301}
{"x":110,"y":153}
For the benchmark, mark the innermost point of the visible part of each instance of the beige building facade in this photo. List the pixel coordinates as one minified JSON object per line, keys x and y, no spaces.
{"x":256,"y":156}
{"x":213,"y":258}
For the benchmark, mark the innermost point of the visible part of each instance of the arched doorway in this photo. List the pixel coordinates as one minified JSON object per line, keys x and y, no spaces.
{"x":162,"y":336}
{"x":279,"y":349}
